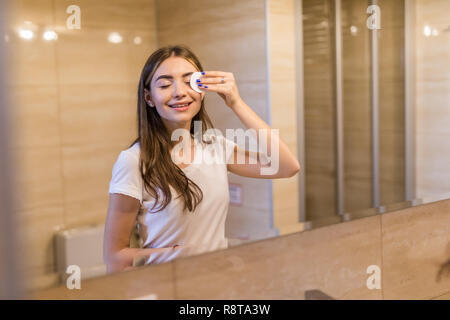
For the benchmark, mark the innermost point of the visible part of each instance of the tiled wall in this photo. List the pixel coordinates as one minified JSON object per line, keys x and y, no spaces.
{"x":283,"y":105}
{"x":75,"y":106}
{"x":409,"y":246}
{"x":432,"y":97}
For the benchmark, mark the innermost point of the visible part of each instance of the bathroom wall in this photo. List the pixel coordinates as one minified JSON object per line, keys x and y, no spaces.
{"x":75,"y":102}
{"x":432,"y":96}
{"x":281,"y":44}
{"x":409,"y":246}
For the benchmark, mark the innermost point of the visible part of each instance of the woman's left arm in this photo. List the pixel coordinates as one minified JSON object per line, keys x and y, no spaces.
{"x":288,"y":165}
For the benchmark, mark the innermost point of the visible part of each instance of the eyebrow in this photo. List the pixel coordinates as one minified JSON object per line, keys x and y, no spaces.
{"x":166,"y":76}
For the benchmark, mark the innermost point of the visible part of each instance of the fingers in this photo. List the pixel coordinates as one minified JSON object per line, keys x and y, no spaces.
{"x":214,"y":74}
{"x":215,"y":77}
{"x":217,"y":80}
{"x":212,"y":87}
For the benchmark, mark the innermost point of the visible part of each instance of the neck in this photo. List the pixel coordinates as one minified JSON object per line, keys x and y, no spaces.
{"x":171,"y":127}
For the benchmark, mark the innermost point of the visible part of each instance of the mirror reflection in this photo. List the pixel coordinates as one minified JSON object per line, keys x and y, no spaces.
{"x":324,"y":112}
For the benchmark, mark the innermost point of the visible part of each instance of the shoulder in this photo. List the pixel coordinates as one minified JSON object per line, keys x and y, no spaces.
{"x":134,"y":150}
{"x":129,"y":157}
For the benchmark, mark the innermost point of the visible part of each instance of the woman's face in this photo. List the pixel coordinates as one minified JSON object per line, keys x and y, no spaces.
{"x":170,"y":85}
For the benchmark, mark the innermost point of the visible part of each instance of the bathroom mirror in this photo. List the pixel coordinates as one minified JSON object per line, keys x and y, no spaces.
{"x":359,"y":90}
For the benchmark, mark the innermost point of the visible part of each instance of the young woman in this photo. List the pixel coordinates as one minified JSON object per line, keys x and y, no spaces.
{"x":179,"y":208}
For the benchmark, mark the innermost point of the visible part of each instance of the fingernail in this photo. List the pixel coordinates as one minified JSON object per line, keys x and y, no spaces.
{"x":206,"y":86}
{"x":199,"y":85}
{"x":203,"y":72}
{"x":198,"y":80}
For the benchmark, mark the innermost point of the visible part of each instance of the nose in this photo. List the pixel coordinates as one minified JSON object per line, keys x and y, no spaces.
{"x":180,"y":89}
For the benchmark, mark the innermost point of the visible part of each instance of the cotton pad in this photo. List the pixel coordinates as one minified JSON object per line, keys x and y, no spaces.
{"x":194,"y":77}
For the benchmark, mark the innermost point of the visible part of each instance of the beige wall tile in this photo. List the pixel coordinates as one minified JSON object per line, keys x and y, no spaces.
{"x":409,"y":245}
{"x":87,"y":57}
{"x":75,"y":111}
{"x":253,"y":92}
{"x":33,"y":61}
{"x":415,"y":245}
{"x":38,"y":227}
{"x":87,"y":174}
{"x":287,"y":266}
{"x":109,"y":14}
{"x":224,"y":25}
{"x":432,"y":97}
{"x":283,"y":103}
{"x":41,"y":279}
{"x":254,"y":191}
{"x":119,"y":286}
{"x":144,"y":44}
{"x":100,"y":114}
{"x":38,"y":178}
{"x":249,"y":223}
{"x":39,"y":12}
{"x":87,"y":212}
{"x":35,"y":116}
{"x":432,"y":164}
{"x":285,"y":194}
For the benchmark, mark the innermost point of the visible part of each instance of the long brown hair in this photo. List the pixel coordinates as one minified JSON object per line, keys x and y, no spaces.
{"x":157,"y":169}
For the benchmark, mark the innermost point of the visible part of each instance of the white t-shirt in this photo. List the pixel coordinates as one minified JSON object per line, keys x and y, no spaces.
{"x":200,"y":231}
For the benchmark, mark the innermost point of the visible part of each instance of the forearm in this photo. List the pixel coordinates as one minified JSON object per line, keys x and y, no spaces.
{"x":288,"y":163}
{"x":122,"y":259}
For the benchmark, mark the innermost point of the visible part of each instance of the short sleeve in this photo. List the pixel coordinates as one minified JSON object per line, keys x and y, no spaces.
{"x":126,"y":177}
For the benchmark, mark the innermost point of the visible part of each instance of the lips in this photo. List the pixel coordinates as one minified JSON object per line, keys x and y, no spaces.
{"x":175,"y":106}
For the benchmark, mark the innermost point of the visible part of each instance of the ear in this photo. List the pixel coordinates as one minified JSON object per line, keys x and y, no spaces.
{"x":147,"y":98}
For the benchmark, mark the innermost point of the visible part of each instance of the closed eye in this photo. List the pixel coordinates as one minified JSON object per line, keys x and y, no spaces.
{"x":189,"y":83}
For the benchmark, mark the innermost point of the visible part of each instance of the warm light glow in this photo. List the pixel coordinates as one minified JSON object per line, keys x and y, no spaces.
{"x":354,"y":30}
{"x":26,"y":34}
{"x":137,"y":40}
{"x":427,"y":31}
{"x":115,"y":37}
{"x":50,"y":35}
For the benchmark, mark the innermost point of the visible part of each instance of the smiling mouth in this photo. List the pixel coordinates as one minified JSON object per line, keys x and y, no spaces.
{"x":180,"y":106}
